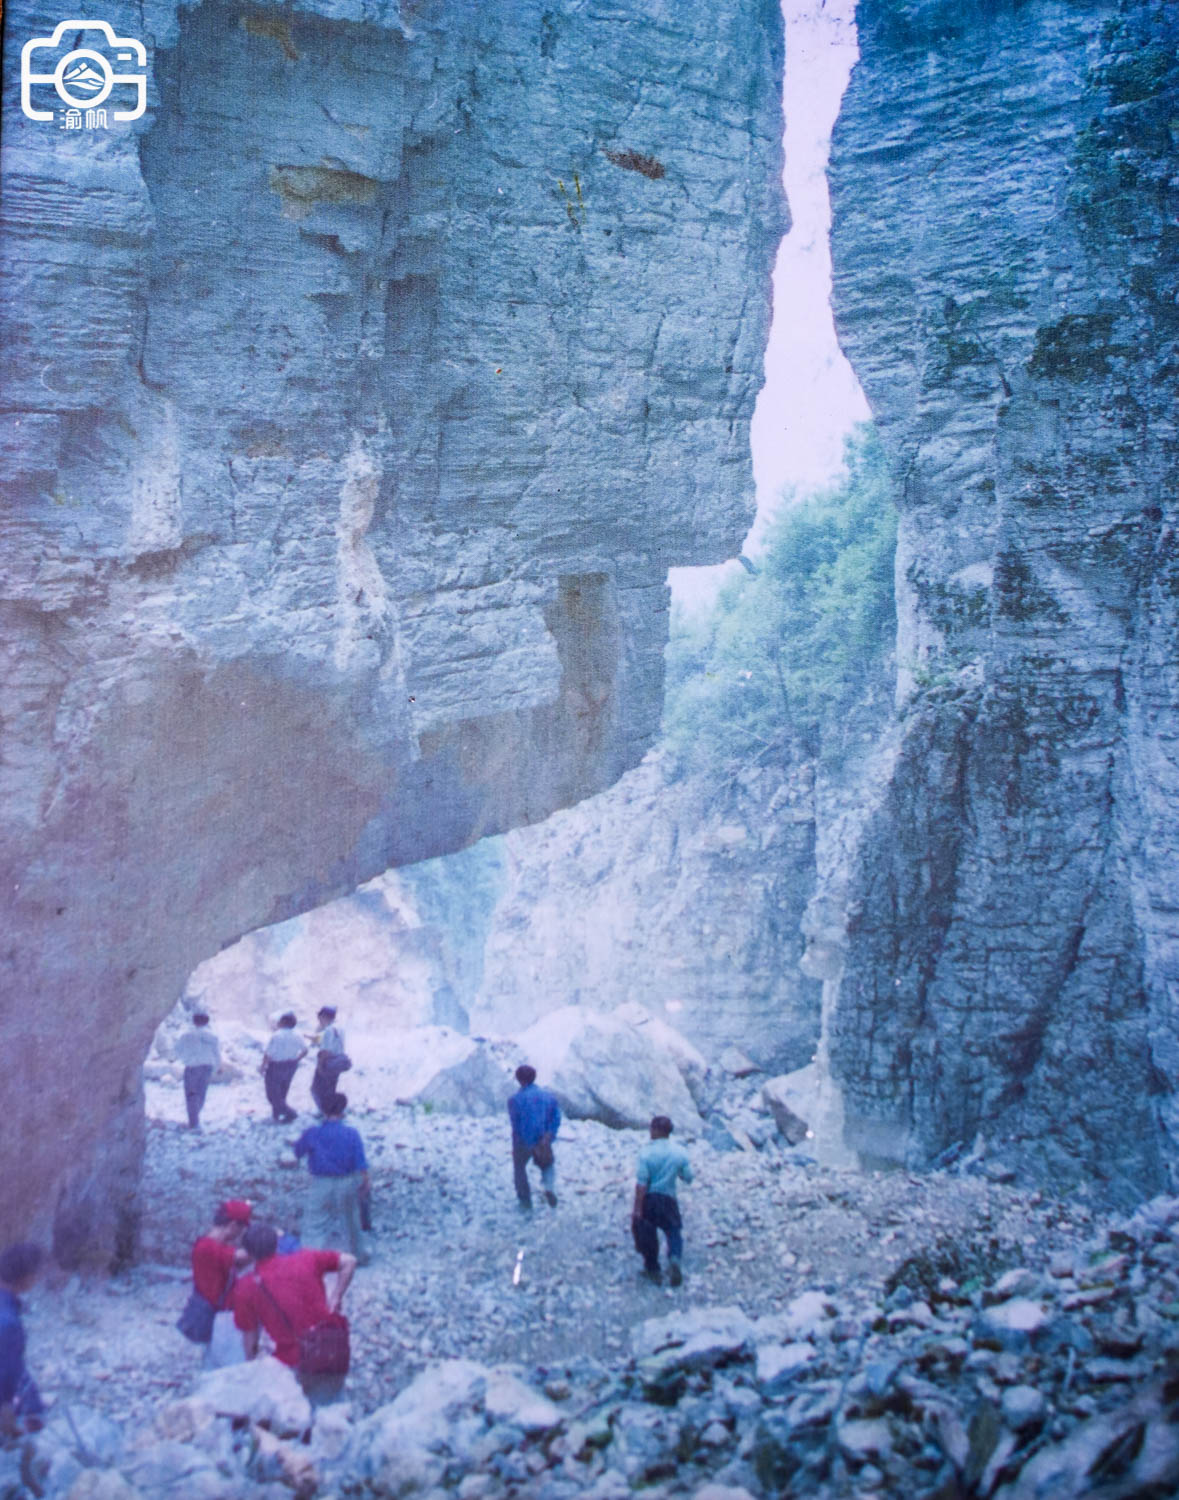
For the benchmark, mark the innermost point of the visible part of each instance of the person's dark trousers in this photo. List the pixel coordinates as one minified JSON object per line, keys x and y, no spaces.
{"x":324,"y":1081}
{"x":660,"y":1211}
{"x":521,"y":1156}
{"x":196,"y":1086}
{"x":278,"y":1082}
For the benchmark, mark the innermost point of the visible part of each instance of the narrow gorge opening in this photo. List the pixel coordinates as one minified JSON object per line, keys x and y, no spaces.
{"x":690,"y":908}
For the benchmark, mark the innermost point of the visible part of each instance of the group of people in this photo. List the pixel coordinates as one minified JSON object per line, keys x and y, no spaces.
{"x":253,"y":1279}
{"x":199,"y":1050}
{"x":256,"y":1279}
{"x":536,"y":1117}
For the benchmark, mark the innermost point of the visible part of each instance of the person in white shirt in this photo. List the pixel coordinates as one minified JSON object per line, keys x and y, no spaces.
{"x":284,"y":1052}
{"x":331,"y":1060}
{"x":200,"y":1052}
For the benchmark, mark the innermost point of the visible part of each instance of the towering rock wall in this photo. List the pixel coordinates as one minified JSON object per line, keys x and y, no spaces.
{"x":357,"y":398}
{"x":1006,"y":278}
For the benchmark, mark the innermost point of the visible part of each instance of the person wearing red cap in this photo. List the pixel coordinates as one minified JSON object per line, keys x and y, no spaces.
{"x":216,"y":1257}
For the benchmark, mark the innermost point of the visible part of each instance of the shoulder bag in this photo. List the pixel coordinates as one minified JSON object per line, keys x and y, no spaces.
{"x":324,"y":1349}
{"x":196,"y":1320}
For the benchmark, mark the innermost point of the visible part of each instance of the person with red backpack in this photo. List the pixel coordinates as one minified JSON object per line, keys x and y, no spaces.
{"x":286,"y":1296}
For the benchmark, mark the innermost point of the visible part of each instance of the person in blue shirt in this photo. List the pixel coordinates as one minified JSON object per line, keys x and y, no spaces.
{"x":339,"y":1175}
{"x":656,"y":1206}
{"x":20,"y":1401}
{"x":536,"y":1118}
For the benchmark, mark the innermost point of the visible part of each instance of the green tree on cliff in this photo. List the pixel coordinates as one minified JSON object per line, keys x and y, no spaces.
{"x":784,"y":655}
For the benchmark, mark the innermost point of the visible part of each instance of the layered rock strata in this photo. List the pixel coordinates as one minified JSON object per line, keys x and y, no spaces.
{"x":1005,"y":201}
{"x":357,"y":398}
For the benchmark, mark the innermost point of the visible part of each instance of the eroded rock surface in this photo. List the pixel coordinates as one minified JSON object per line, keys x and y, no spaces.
{"x":1005,"y":285}
{"x":685,"y":894}
{"x":357,"y":399}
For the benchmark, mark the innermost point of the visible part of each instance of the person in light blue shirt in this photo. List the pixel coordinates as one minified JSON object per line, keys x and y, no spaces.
{"x":536,"y":1118}
{"x":339,"y":1175}
{"x":656,"y":1207}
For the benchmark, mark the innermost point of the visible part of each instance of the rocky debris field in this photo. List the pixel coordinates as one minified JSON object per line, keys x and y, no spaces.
{"x":838,"y":1334}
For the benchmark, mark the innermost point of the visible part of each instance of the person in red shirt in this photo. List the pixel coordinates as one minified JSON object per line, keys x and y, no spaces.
{"x":286,"y":1296}
{"x":215,"y":1254}
{"x":216,"y":1258}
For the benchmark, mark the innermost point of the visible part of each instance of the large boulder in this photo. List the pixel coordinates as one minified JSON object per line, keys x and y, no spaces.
{"x":688,"y":1059}
{"x":442,"y":1069}
{"x":478,"y":1083}
{"x":404,"y":1447}
{"x":263,"y":1391}
{"x":791,"y":1099}
{"x":603,"y":1067}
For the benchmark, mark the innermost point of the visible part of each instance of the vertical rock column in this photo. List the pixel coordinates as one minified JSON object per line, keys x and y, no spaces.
{"x":1005,"y":286}
{"x":357,"y":399}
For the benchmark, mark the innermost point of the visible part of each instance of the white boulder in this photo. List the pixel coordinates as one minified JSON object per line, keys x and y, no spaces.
{"x":509,"y":1399}
{"x":736,"y":1064}
{"x":402,"y":1448}
{"x":477,"y":1083}
{"x":412,"y":1059}
{"x":778,"y":1363}
{"x":694,"y":1338}
{"x":789,"y":1101}
{"x":263,"y":1391}
{"x":688,"y":1059}
{"x":604,"y":1067}
{"x":1019,"y":1315}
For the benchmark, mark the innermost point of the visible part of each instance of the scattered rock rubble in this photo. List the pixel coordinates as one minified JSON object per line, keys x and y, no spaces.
{"x":838,"y":1334}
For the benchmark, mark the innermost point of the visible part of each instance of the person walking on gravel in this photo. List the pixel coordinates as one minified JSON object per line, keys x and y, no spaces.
{"x":284,"y":1052}
{"x":200,"y":1052}
{"x":536,"y":1118}
{"x":656,"y":1206}
{"x":331,"y":1060}
{"x":339,"y":1176}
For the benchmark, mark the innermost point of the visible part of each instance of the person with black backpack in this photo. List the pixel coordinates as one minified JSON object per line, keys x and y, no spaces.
{"x":216,"y":1257}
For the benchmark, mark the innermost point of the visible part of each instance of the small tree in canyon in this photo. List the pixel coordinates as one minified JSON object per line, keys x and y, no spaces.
{"x":786,"y":654}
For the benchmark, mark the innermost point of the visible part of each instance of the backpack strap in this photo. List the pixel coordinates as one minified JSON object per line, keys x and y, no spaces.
{"x":273,"y":1300}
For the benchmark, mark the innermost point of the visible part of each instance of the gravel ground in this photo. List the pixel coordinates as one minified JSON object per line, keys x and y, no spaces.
{"x":759,"y":1229}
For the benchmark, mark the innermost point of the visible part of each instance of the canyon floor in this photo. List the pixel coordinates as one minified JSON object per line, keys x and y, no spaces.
{"x":767,"y":1233}
{"x":759,"y":1229}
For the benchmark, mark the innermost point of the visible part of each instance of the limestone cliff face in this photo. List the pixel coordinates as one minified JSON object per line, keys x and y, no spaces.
{"x":357,"y":398}
{"x":685,"y":895}
{"x":1004,"y":194}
